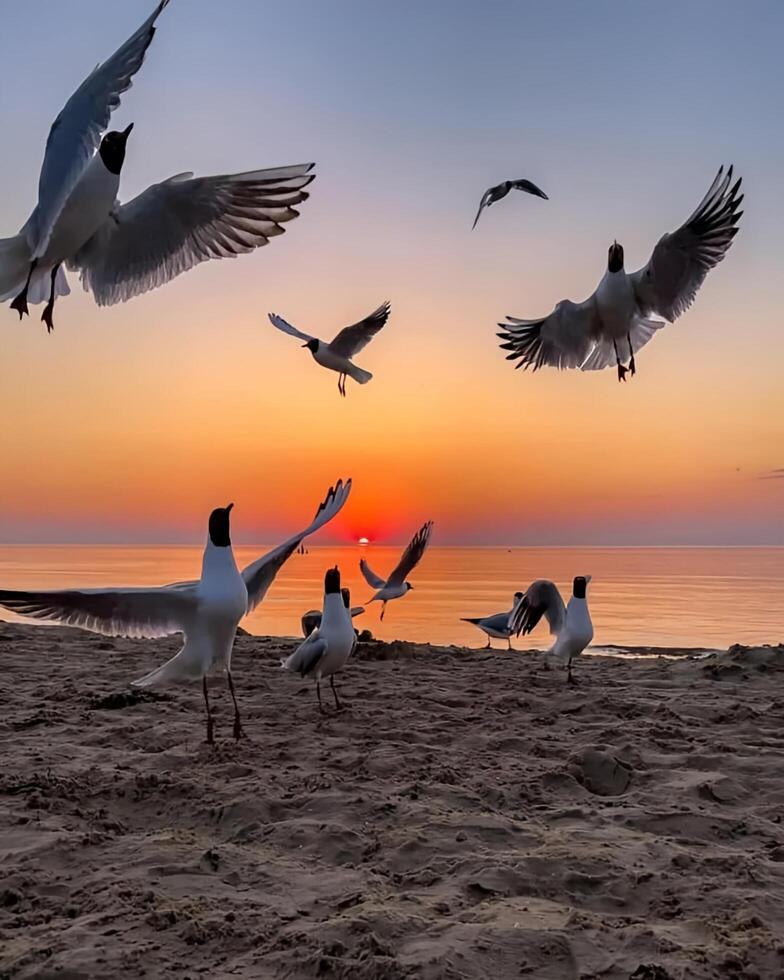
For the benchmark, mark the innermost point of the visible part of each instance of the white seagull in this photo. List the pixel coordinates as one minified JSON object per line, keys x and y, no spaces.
{"x":613,"y":324}
{"x":328,"y":648}
{"x":311,"y":620}
{"x":500,"y":191}
{"x":497,"y":625}
{"x":396,"y":585}
{"x":571,"y":625}
{"x":122,"y":250}
{"x":335,"y":355}
{"x":206,"y":612}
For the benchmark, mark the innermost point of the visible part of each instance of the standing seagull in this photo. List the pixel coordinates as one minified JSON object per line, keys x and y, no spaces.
{"x":123,"y":250}
{"x":615,"y":322}
{"x":311,"y":620}
{"x":571,"y":625}
{"x":500,"y":191}
{"x":335,"y":355}
{"x":396,"y":586}
{"x":207,"y":612}
{"x":496,"y":626}
{"x":328,"y":648}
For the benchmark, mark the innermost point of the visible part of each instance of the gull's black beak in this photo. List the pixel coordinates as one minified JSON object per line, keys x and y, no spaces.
{"x":228,"y":509}
{"x":126,"y":132}
{"x":306,"y":345}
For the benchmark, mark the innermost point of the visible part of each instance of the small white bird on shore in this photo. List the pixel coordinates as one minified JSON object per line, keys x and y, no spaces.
{"x":396,"y":585}
{"x":335,"y":355}
{"x":571,"y":625}
{"x":497,"y":625}
{"x":328,"y":648}
{"x":207,"y":612}
{"x":311,"y":620}
{"x":615,"y":322}
{"x":122,"y":250}
{"x":497,"y":193}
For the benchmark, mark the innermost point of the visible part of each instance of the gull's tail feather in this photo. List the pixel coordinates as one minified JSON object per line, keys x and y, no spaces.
{"x":359,"y":375}
{"x":15,"y":259}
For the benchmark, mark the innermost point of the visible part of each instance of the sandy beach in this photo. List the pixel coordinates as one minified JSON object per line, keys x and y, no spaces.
{"x":467,"y":815}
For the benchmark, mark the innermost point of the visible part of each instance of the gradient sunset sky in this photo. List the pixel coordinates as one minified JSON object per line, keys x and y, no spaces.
{"x":131,"y":423}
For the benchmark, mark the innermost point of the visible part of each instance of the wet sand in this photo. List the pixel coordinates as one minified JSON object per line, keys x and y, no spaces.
{"x":467,"y":815}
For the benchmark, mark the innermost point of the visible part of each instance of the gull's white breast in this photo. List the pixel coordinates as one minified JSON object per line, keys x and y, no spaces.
{"x":616,"y":304}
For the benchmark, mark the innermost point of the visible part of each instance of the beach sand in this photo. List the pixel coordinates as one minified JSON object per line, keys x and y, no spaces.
{"x":467,"y":815}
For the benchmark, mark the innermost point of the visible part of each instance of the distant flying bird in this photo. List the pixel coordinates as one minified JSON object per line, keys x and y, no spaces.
{"x":614,"y":323}
{"x":311,"y":620}
{"x":396,"y":585}
{"x":335,"y":355}
{"x":571,"y":625}
{"x":500,"y":191}
{"x":328,"y":648}
{"x":496,"y":626}
{"x":122,"y":250}
{"x":207,"y":612}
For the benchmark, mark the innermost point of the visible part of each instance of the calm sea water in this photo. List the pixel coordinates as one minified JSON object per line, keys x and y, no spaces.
{"x":708,"y":597}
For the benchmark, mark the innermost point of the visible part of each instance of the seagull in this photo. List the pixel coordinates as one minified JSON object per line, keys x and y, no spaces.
{"x":496,"y":626}
{"x":500,"y":191}
{"x":571,"y":625}
{"x":328,"y":648}
{"x":206,"y":612}
{"x":311,"y":620}
{"x":614,"y":323}
{"x":122,"y":250}
{"x":396,"y":586}
{"x":335,"y":355}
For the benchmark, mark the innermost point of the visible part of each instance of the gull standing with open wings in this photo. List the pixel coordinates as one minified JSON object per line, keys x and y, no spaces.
{"x":206,"y":612}
{"x":396,"y":585}
{"x":613,"y":324}
{"x":335,"y":355}
{"x":122,"y":250}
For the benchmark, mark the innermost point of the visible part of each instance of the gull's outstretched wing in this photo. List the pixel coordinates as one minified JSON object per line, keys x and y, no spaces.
{"x":562,"y":340}
{"x":541,"y":599}
{"x":351,"y":340}
{"x":286,"y":327}
{"x":529,"y":187}
{"x":669,"y":282}
{"x":260,"y":575}
{"x":486,"y":198}
{"x":114,"y":612}
{"x":185,"y":220}
{"x":412,"y":555}
{"x":307,"y":655}
{"x":77,"y":131}
{"x":373,"y":580}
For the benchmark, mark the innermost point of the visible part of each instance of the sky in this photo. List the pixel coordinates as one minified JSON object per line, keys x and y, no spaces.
{"x":131,"y":423}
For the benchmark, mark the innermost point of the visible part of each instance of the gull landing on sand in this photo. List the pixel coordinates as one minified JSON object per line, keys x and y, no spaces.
{"x":336,"y":354}
{"x":497,"y":625}
{"x":571,"y":625}
{"x":206,"y":612}
{"x":616,"y":322}
{"x":328,"y":648}
{"x":122,"y":250}
{"x":396,"y":585}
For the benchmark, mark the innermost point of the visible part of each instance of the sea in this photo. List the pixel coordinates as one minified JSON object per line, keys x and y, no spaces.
{"x":639,"y":597}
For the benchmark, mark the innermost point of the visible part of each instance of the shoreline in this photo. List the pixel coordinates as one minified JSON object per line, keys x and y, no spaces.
{"x":467,"y":815}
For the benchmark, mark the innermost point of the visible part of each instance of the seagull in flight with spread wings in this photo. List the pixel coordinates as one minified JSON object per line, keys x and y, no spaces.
{"x":335,"y":355}
{"x":497,"y":193}
{"x":122,"y":250}
{"x":206,"y":612}
{"x":613,"y":324}
{"x":396,"y":585}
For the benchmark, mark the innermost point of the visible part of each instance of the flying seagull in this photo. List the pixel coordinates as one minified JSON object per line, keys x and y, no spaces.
{"x":571,"y":625}
{"x":500,"y":191}
{"x":335,"y":355}
{"x":122,"y":250}
{"x":328,"y":648}
{"x":396,"y":585}
{"x":613,"y":324}
{"x":311,"y":620}
{"x":497,"y":625}
{"x":206,"y":612}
